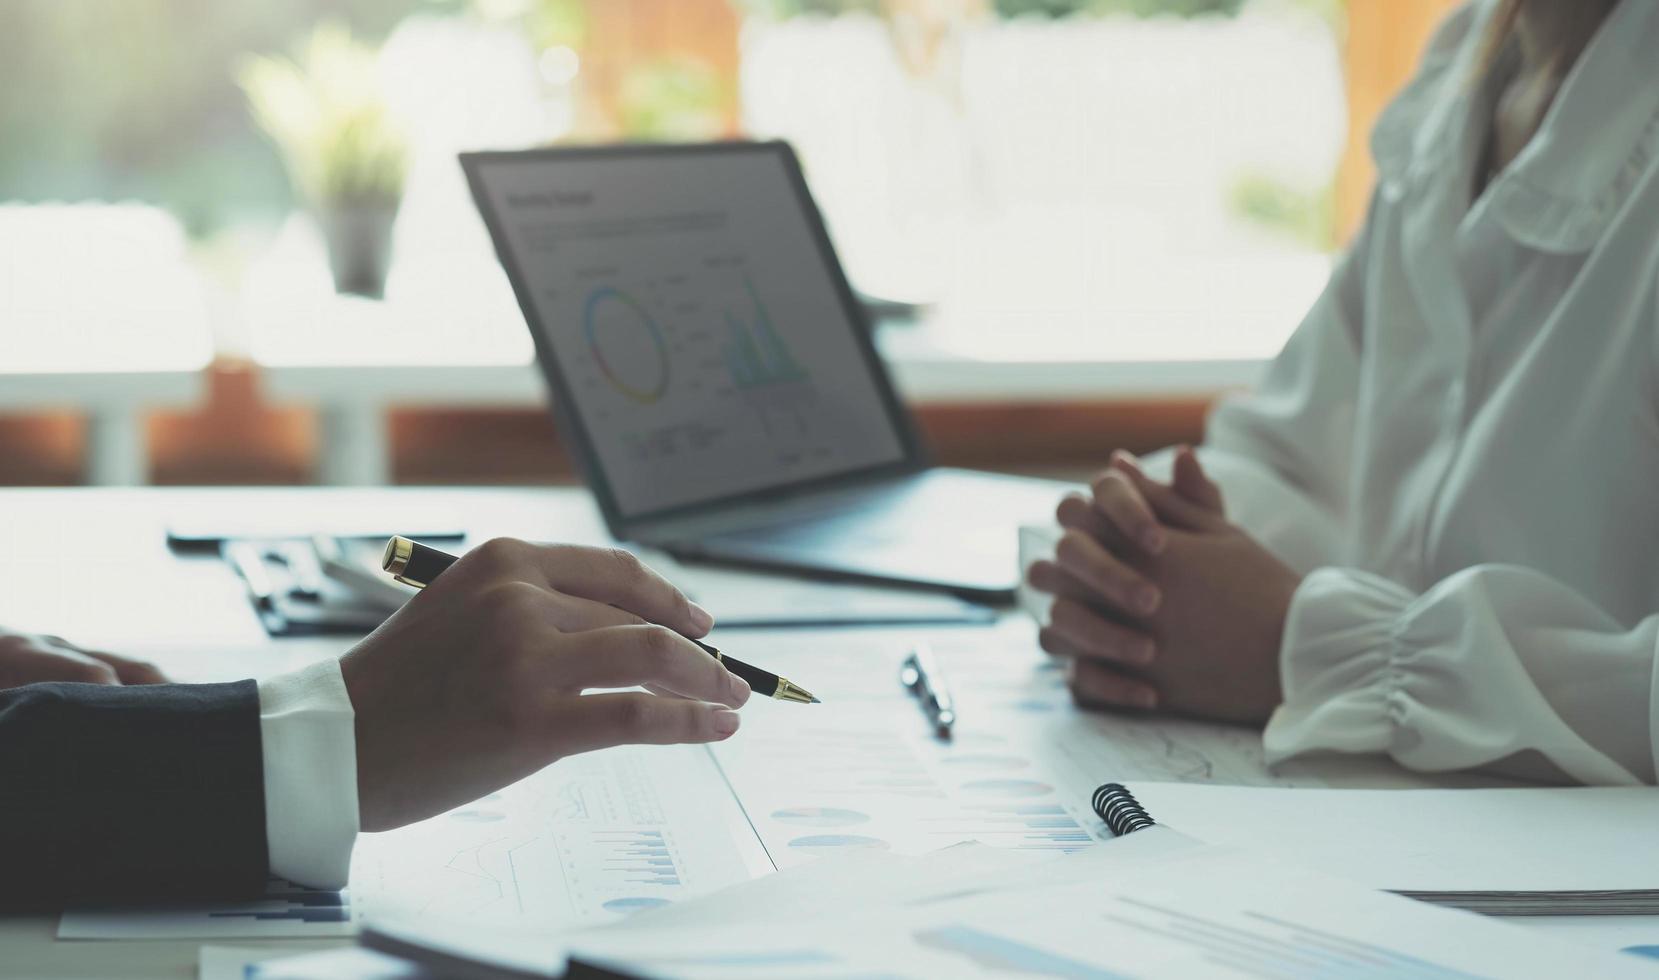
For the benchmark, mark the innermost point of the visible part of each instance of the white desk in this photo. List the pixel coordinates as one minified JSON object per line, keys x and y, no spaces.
{"x":92,"y":564}
{"x":101,"y":314}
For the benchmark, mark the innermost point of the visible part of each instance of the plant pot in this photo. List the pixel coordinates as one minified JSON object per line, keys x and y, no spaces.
{"x":359,"y":238}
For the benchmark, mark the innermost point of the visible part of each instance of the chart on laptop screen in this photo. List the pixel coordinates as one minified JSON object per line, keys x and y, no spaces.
{"x":694,"y":320}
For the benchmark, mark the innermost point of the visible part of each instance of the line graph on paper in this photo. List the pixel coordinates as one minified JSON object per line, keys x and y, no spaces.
{"x":1103,"y":748}
{"x":585,"y":841}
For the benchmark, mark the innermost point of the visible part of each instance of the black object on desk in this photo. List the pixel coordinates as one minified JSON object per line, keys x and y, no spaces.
{"x":922,"y":676}
{"x":413,"y":563}
{"x":289,"y":595}
{"x":1119,"y":808}
{"x":249,"y":565}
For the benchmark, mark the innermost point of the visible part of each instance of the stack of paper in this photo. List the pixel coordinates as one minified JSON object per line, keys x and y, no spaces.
{"x":1496,"y":851}
{"x":1155,"y":904}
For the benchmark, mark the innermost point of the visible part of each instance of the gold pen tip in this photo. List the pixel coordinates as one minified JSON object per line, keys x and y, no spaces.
{"x":815,"y":701}
{"x":789,"y":691}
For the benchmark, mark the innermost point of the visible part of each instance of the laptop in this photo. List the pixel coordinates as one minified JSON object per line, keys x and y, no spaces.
{"x":715,"y":376}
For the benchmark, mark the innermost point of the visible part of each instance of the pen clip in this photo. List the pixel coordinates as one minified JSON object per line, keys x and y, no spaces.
{"x":922,"y":678}
{"x":910,"y":674}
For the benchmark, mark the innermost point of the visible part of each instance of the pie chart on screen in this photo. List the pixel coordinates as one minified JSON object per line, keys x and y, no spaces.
{"x":627,"y":345}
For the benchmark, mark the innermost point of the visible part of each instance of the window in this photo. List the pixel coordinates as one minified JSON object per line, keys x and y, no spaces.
{"x":1122,"y":183}
{"x":1076,"y":182}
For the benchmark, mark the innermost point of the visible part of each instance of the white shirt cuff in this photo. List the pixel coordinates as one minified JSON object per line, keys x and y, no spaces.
{"x":1340,"y":667}
{"x":309,"y":737}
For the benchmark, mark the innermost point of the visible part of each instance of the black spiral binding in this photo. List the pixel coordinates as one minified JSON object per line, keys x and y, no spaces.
{"x":1118,"y":807}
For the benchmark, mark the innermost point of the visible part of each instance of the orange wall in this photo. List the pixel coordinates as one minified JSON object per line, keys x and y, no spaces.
{"x":1384,"y":40}
{"x":627,"y":33}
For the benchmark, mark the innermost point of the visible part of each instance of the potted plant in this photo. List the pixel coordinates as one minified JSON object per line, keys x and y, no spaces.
{"x":344,"y":151}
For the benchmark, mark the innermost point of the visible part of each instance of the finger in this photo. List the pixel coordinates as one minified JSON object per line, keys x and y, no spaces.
{"x":1113,"y":581}
{"x":1096,"y":637}
{"x":1059,"y":644}
{"x":1118,"y":498}
{"x":626,"y":656}
{"x":39,"y":664}
{"x":663,"y":692}
{"x":1171,"y":507}
{"x":574,"y":614}
{"x":1046,"y":576}
{"x":1193,"y":483}
{"x":610,"y":576}
{"x":1078,"y":511}
{"x":1096,"y":685}
{"x":130,"y":671}
{"x":597,"y":721}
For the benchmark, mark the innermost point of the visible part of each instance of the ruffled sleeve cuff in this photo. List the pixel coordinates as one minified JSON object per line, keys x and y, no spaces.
{"x":1338,"y":665}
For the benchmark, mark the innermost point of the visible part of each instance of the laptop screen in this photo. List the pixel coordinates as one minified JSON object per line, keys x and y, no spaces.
{"x":689,"y":305}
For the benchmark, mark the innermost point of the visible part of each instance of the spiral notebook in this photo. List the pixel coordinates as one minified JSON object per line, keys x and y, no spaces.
{"x":1498,"y":851}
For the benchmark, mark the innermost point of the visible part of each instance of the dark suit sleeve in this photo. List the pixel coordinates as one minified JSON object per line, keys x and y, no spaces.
{"x":130,"y":794}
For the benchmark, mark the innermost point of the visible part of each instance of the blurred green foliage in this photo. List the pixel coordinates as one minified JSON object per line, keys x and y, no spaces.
{"x":672,"y":99}
{"x":552,"y":23}
{"x":1306,"y":217}
{"x":326,"y":112}
{"x":1137,"y":8}
{"x":1018,"y":8}
{"x":1329,"y":9}
{"x":137,"y":99}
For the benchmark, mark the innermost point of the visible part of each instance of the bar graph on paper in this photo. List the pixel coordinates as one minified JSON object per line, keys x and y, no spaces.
{"x":286,"y":911}
{"x":590,"y":839}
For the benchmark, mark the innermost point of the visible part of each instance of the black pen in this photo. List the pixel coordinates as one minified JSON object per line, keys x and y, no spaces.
{"x":921,"y":675}
{"x":416,"y":564}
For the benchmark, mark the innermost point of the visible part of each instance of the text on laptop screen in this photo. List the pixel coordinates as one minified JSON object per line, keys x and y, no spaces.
{"x":694,"y":321}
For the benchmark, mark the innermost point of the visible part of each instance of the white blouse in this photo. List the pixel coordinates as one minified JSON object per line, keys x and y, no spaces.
{"x":1460,"y":444}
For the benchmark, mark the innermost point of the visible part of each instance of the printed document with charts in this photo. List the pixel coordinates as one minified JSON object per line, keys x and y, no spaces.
{"x":595,"y":838}
{"x":1153,"y":904}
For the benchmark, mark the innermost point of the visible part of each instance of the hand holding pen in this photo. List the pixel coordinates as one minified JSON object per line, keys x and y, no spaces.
{"x":517,"y":656}
{"x":416,"y":564}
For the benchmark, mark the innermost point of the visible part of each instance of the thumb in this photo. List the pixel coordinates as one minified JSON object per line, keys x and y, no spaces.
{"x":1194,"y":484}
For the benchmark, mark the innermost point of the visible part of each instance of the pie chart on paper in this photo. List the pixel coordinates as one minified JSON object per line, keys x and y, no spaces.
{"x":820,"y":816}
{"x":1007,"y":787}
{"x":824,"y":843}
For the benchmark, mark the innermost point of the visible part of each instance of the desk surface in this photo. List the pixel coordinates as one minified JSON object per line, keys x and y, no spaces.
{"x":93,"y":564}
